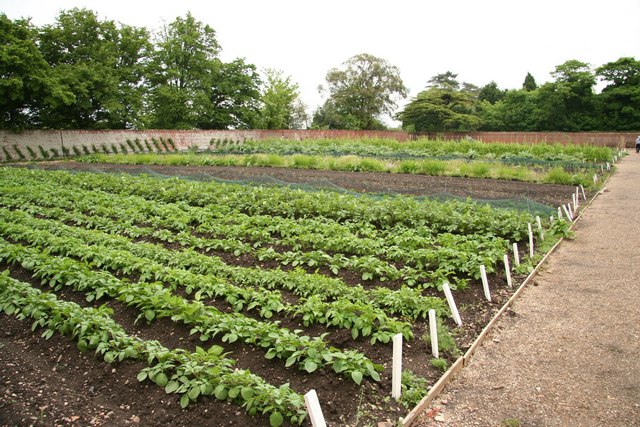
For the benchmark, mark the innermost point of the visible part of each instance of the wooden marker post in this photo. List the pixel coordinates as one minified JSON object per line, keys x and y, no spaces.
{"x":595,"y":178}
{"x":530,"y":240}
{"x":452,"y":304}
{"x":396,"y":373}
{"x":516,"y":255}
{"x":507,"y":270}
{"x":577,"y":196}
{"x":584,"y":196}
{"x":564,"y":207}
{"x":559,"y":212}
{"x":538,"y":222}
{"x":433,"y":333}
{"x":570,"y":211}
{"x":574,"y":201}
{"x":485,"y":283}
{"x":313,"y":408}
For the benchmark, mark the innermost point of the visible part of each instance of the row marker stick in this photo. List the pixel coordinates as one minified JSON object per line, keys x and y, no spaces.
{"x":564,"y":207}
{"x":396,"y":373}
{"x":516,"y":255}
{"x":313,"y":408}
{"x":584,"y":196}
{"x":530,"y":241}
{"x":433,"y":333}
{"x":452,"y":303}
{"x":507,"y":270}
{"x":570,"y":211}
{"x":485,"y":283}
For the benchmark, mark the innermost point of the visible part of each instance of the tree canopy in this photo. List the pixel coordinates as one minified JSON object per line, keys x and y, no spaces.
{"x":362,"y":92}
{"x":85,"y":72}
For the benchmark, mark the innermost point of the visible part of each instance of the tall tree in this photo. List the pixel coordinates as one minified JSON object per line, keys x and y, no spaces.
{"x":281,"y":104}
{"x":443,"y":106}
{"x":529,"y":83}
{"x":25,"y":75}
{"x":567,"y":104}
{"x":100,"y":64}
{"x":490,"y":93}
{"x":619,"y":101}
{"x":193,"y":88}
{"x":364,"y":90}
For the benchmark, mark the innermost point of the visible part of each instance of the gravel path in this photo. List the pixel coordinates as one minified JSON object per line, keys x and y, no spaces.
{"x":569,"y":354}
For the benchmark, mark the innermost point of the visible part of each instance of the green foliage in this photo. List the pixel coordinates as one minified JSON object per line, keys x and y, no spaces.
{"x":413,"y":389}
{"x":364,"y":90}
{"x":440,"y":364}
{"x":281,"y":104}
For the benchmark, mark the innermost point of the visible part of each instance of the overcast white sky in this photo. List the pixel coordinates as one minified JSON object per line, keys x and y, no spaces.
{"x":498,"y":40}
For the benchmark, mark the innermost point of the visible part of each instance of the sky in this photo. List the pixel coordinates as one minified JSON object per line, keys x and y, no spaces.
{"x":481,"y":41}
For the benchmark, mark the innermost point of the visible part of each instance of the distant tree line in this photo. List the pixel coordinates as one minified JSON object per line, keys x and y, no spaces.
{"x":86,"y":73}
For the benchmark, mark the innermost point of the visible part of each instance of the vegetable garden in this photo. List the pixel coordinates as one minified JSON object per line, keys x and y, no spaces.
{"x":272,"y":291}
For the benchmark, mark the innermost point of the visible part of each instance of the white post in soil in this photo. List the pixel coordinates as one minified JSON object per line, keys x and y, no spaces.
{"x":575,"y":202}
{"x":608,"y":166}
{"x":564,"y":207}
{"x":313,"y":408}
{"x":433,"y":333}
{"x":538,"y":222}
{"x":485,"y":283}
{"x":396,"y":372}
{"x":595,"y":178}
{"x":530,"y":240}
{"x":559,"y":212}
{"x":584,"y":196}
{"x":452,"y":304}
{"x":516,"y":255}
{"x":577,"y":196}
{"x":507,"y":270}
{"x":570,"y":211}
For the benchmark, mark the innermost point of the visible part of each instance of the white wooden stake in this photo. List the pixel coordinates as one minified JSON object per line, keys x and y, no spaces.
{"x":396,"y":373}
{"x":601,"y":169}
{"x":584,"y":196}
{"x":551,"y":218}
{"x":577,"y":197}
{"x":564,"y":207}
{"x":608,"y":166}
{"x":507,"y":270}
{"x":595,"y":178}
{"x":559,"y":213}
{"x":452,"y":304}
{"x":516,"y":255}
{"x":530,"y":240}
{"x":574,"y":201}
{"x":570,"y":211}
{"x":538,"y":222}
{"x":313,"y":408}
{"x":485,"y":283}
{"x":433,"y":333}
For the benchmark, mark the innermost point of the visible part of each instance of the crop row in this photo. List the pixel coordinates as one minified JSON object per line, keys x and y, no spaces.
{"x":360,"y":318}
{"x":155,"y":301}
{"x":458,"y":217}
{"x":405,"y":302}
{"x":425,"y":148}
{"x":191,"y":375}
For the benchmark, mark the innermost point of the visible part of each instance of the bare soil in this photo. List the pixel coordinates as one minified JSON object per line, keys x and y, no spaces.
{"x":51,"y":383}
{"x":372,"y":182}
{"x":569,"y":357}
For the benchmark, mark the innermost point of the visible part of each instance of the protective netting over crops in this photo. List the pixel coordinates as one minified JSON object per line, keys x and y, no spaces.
{"x":521,"y":203}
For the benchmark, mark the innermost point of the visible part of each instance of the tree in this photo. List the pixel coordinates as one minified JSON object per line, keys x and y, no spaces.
{"x":438,"y":110}
{"x":529,"y":83}
{"x":192,"y":88}
{"x":25,"y":74}
{"x":281,"y":104}
{"x":443,"y":106}
{"x":100,"y":65}
{"x":567,"y":104}
{"x":363,"y":91}
{"x":618,"y":103}
{"x":490,"y":93}
{"x":230,"y":97}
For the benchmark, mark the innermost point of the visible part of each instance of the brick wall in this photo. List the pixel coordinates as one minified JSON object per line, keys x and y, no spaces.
{"x":47,"y":140}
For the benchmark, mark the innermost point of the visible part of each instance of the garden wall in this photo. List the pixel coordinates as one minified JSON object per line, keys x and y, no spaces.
{"x":24,"y":145}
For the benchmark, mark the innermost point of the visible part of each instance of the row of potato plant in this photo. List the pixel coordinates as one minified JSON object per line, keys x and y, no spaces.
{"x":191,"y":375}
{"x":155,"y":301}
{"x":359,"y":318}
